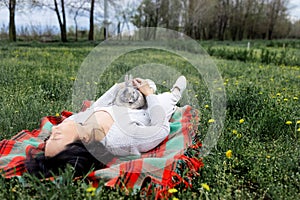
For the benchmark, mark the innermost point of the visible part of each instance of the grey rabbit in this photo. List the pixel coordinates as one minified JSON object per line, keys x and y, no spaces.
{"x":129,"y":96}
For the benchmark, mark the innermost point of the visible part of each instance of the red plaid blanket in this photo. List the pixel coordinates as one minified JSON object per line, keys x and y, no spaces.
{"x":159,"y":169}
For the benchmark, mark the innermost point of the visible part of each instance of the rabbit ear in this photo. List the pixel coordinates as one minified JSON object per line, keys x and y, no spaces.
{"x":129,"y":81}
{"x":126,"y":79}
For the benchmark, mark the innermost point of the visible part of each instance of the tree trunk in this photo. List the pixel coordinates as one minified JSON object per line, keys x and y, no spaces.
{"x":272,"y":19}
{"x":105,"y":31}
{"x":76,"y":30}
{"x":62,"y":22}
{"x":204,"y":35}
{"x":276,"y":6}
{"x":12,"y":25}
{"x":223,"y":18}
{"x":91,"y":32}
{"x":189,"y":19}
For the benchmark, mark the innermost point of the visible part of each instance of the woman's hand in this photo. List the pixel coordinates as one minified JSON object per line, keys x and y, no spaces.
{"x":143,"y":86}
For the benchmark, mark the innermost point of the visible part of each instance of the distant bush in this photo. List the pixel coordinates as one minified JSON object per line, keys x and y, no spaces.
{"x":284,"y":43}
{"x":263,"y":55}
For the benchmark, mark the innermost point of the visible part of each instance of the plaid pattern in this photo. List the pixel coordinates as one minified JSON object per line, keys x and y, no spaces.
{"x":13,"y":152}
{"x":159,"y":169}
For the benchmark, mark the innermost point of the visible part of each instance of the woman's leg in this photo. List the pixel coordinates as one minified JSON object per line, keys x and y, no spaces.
{"x":169,"y":100}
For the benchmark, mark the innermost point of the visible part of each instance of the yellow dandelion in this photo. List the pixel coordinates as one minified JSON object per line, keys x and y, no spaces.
{"x":298,"y":130}
{"x":14,"y":189}
{"x":242,"y":121}
{"x":288,"y":122}
{"x":196,"y":95}
{"x":205,"y":186}
{"x":211,"y":121}
{"x":268,"y":156}
{"x":234,"y":131}
{"x":174,"y":198}
{"x":91,"y":189}
{"x":172,"y":190}
{"x":278,"y":94}
{"x":298,"y":122}
{"x":229,"y":154}
{"x":57,"y":114}
{"x":285,"y":99}
{"x":295,"y":98}
{"x":72,"y":78}
{"x":239,"y":135}
{"x":260,"y":93}
{"x":206,"y":106}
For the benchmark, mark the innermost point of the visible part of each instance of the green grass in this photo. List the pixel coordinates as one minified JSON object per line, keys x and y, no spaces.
{"x":37,"y":79}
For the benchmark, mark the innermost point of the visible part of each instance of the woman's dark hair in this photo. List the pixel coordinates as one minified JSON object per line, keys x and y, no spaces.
{"x":82,"y":157}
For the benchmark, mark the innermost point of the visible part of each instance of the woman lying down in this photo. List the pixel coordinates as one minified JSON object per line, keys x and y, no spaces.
{"x":115,"y":125}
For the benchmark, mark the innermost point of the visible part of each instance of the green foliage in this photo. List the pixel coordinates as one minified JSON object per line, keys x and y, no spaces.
{"x":273,"y":52}
{"x":36,"y":80}
{"x":265,"y":149}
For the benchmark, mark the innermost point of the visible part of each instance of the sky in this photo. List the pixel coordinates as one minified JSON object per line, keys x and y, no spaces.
{"x":294,"y":8}
{"x":48,"y":17}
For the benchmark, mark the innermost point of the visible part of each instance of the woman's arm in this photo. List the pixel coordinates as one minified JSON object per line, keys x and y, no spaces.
{"x":108,"y":97}
{"x":148,"y":137}
{"x":159,"y":124}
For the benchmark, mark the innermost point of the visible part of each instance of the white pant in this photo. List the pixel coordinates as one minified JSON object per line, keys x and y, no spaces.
{"x":168,"y":100}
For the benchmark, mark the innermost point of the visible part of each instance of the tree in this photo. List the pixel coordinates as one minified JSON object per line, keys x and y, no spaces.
{"x":223,"y":18}
{"x":12,"y":25}
{"x":276,"y":9}
{"x":199,"y":18}
{"x":58,"y":6}
{"x":146,"y":15}
{"x":61,"y":16}
{"x":77,"y":9}
{"x":217,"y":19}
{"x":91,"y":31}
{"x":295,"y":29}
{"x":101,"y":10}
{"x":123,"y":16}
{"x":11,"y":5}
{"x":158,"y":13}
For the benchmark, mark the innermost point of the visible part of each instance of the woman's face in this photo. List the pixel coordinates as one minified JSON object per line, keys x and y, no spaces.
{"x":62,"y":135}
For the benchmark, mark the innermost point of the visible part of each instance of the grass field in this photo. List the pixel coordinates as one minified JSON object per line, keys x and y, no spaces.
{"x":262,"y":126}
